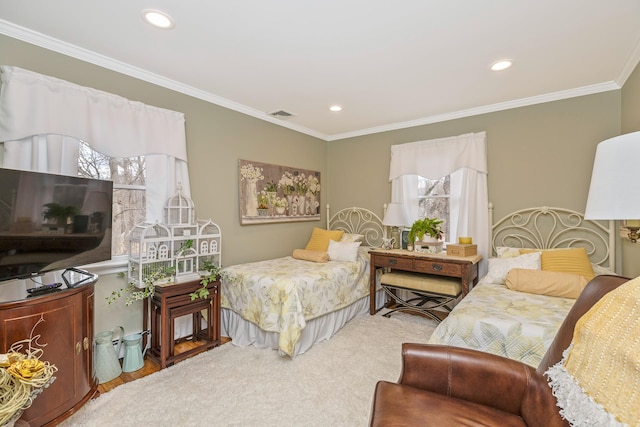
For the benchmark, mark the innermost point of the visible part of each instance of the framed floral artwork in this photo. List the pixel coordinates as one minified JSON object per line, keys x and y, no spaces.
{"x":273,"y":193}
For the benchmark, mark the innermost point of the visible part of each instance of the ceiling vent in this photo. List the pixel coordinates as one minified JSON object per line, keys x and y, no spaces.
{"x":281,"y":114}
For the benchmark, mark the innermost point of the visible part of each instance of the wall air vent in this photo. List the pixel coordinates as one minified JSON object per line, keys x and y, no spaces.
{"x":281,"y":114}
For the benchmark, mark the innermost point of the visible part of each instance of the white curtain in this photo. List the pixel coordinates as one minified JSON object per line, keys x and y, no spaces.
{"x":462,"y":157}
{"x":44,"y":117}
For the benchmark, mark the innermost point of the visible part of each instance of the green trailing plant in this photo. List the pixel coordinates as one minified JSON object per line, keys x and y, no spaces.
{"x":209,"y":272}
{"x":430,"y":226}
{"x":132,"y":293}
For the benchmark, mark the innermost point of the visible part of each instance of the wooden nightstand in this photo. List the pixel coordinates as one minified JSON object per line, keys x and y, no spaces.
{"x":464,"y":268}
{"x":172,"y":301}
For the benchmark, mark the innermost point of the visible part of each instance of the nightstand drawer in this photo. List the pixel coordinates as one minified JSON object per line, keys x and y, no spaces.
{"x":435,"y":267}
{"x":393,"y":262}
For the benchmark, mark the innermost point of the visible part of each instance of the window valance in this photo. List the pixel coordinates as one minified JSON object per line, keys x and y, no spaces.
{"x":34,"y":104}
{"x":436,"y":158}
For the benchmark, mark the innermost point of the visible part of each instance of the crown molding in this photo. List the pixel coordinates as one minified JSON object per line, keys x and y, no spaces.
{"x":38,"y":39}
{"x":630,"y":65}
{"x":46,"y":42}
{"x":523,"y":102}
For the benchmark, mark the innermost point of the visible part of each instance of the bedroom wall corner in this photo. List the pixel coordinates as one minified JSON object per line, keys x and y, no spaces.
{"x":630,"y":122}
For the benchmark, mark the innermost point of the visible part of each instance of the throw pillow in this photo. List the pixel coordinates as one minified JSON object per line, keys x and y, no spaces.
{"x":343,"y":251}
{"x":552,"y":283}
{"x":319,"y":240}
{"x":307,"y":255}
{"x":499,"y":267}
{"x":569,"y":260}
{"x":507,"y":252}
{"x":352,"y":237}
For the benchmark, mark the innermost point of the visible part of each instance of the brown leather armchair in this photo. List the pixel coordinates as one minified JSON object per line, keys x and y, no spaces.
{"x":451,"y":386}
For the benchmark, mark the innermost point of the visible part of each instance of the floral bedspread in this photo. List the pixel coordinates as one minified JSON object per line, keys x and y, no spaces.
{"x":281,"y":294}
{"x":495,"y":319}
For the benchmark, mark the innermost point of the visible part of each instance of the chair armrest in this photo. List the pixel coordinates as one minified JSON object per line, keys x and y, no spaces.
{"x":471,"y":375}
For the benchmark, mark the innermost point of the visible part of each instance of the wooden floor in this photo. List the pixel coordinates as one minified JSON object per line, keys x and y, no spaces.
{"x":150,"y":366}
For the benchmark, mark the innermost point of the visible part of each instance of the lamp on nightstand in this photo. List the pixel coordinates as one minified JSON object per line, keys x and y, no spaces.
{"x":614,"y":182}
{"x":395,"y":217}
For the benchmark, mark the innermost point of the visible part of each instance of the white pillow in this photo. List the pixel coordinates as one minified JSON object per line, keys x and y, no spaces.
{"x":507,"y":252}
{"x":351,"y":237}
{"x":499,"y":267}
{"x":343,"y":251}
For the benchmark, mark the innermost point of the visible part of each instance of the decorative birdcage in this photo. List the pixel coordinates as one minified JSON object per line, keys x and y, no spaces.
{"x":180,"y":249}
{"x":179,"y":209}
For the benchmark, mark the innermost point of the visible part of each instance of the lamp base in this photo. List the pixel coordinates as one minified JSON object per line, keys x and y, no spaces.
{"x":395,"y":235}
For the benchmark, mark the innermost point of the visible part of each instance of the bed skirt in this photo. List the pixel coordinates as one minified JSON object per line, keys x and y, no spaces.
{"x":244,"y":333}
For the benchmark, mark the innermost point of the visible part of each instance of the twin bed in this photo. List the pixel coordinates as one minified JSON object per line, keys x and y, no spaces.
{"x":287,"y":304}
{"x":521,"y":325}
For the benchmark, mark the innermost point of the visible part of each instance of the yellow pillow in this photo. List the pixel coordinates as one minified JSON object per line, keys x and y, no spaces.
{"x":552,"y":283}
{"x":570,"y":260}
{"x":314,"y":256}
{"x":319,"y":240}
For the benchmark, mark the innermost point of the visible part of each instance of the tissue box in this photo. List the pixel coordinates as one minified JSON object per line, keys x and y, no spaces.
{"x":462,"y":250}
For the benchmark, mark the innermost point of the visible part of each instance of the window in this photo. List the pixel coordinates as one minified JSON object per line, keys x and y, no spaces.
{"x":434,"y":200}
{"x":129,"y":190}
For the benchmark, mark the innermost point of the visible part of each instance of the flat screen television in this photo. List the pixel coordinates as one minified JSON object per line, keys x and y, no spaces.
{"x":52,"y":222}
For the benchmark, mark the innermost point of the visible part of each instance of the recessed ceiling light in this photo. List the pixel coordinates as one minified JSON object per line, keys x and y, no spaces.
{"x":158,"y":19}
{"x":503,"y":64}
{"x":335,"y":108}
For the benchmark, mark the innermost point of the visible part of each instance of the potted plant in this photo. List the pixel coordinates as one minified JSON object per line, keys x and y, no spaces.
{"x":426,"y":226}
{"x":281,"y":204}
{"x":271,"y":187}
{"x":263,"y":204}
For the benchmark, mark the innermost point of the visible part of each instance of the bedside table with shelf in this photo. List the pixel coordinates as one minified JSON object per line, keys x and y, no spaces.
{"x":173,"y":300}
{"x":463,"y":268}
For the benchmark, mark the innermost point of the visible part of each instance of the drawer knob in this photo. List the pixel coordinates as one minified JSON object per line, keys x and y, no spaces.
{"x":437,"y":267}
{"x":393,"y":261}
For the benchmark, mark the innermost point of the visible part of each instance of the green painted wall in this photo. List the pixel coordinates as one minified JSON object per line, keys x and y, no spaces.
{"x":216,"y":138}
{"x":538,"y":155}
{"x":630,"y":253}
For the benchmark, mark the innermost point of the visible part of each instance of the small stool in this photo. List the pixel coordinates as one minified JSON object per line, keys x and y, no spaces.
{"x":429,"y":292}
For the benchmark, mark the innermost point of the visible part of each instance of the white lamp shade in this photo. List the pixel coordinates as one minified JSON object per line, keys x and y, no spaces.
{"x":615,"y":179}
{"x":395,"y":215}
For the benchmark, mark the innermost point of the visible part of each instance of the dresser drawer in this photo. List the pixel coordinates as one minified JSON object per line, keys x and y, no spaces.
{"x":393,"y":262}
{"x":435,"y":267}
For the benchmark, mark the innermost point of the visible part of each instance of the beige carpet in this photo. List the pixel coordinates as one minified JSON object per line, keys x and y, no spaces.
{"x":330,"y":385}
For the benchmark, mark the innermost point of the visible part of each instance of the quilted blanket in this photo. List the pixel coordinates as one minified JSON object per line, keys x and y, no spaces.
{"x":280,"y":295}
{"x":495,"y":319}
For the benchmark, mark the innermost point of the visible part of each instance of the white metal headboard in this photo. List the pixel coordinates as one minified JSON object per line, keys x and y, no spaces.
{"x":548,"y":228}
{"x":358,"y":221}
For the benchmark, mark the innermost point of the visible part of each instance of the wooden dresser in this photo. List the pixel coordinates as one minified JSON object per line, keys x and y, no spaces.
{"x":67,"y":331}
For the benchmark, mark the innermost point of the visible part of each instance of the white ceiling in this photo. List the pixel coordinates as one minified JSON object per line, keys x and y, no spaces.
{"x":389,"y":64}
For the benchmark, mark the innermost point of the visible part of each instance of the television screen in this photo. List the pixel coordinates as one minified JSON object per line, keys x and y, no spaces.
{"x":52,"y":222}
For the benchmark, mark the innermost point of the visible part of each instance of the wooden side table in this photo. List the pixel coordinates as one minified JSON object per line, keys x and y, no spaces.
{"x":172,"y":301}
{"x":465,"y":268}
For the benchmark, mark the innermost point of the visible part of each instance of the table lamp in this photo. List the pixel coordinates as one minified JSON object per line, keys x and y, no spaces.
{"x":395,"y":217}
{"x":614,"y":179}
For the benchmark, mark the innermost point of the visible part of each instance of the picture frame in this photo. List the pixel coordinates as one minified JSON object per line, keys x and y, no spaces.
{"x":271,"y":193}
